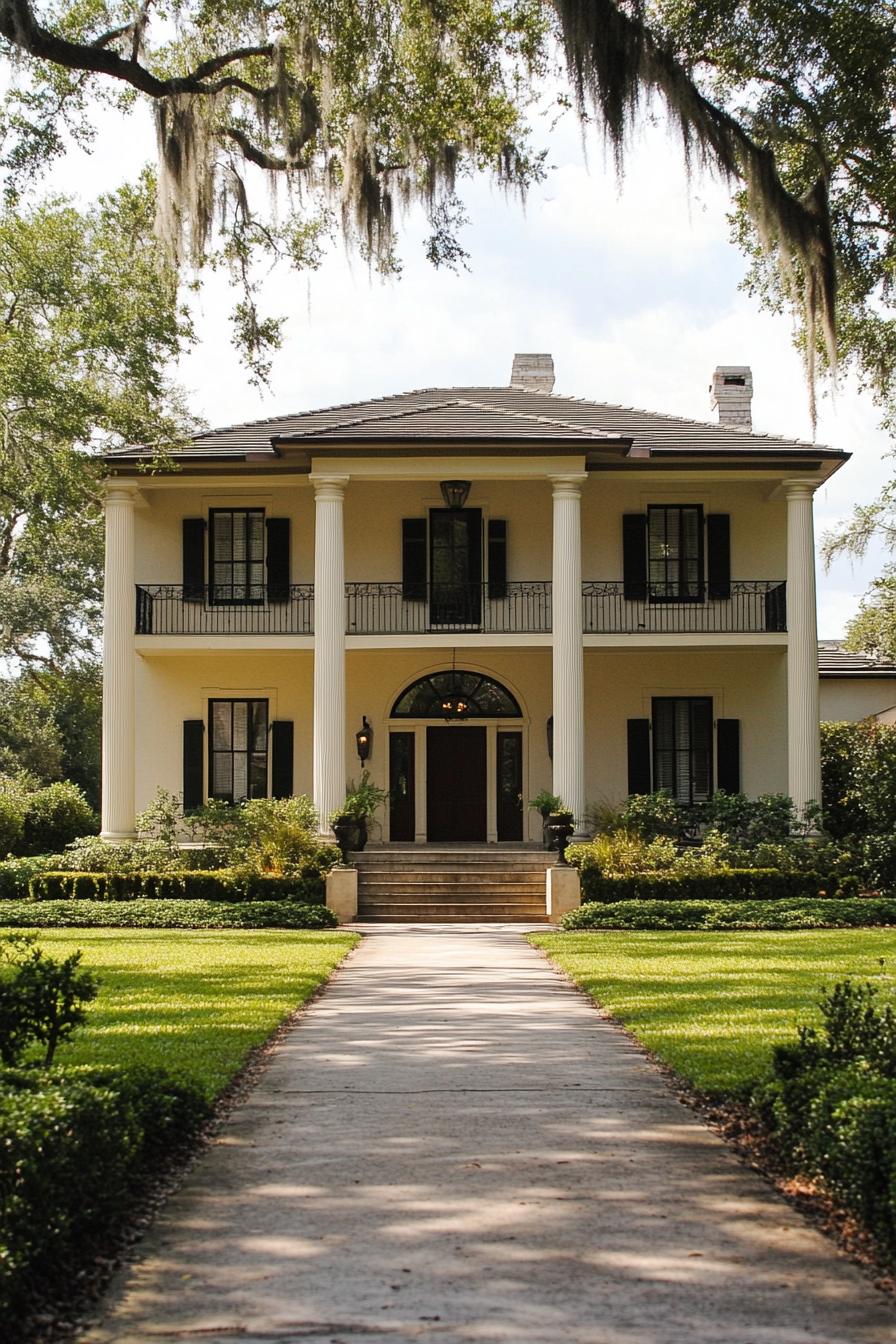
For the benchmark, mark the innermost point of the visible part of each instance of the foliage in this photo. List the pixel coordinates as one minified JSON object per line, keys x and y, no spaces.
{"x":770,"y":818}
{"x":713,"y":1005}
{"x":220,"y":884}
{"x":75,"y":1147}
{"x":91,"y":322}
{"x":733,"y":884}
{"x":12,"y":817}
{"x":54,"y":816}
{"x":363,"y":800}
{"x":832,"y":1104}
{"x":546,"y":803}
{"x":792,"y":913}
{"x":622,"y":853}
{"x":166,"y":913}
{"x":858,"y":774}
{"x":360,"y":109}
{"x":41,"y":999}
{"x":15,"y":874}
{"x":50,"y":727}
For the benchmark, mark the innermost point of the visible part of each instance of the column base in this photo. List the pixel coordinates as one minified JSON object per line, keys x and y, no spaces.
{"x":118,"y":837}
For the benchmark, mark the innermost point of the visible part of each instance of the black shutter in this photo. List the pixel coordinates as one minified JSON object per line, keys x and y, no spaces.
{"x":634,"y":557}
{"x":497,"y":559}
{"x":413,"y":559}
{"x":194,"y":730}
{"x":278,"y":559}
{"x":281,"y":758}
{"x":639,"y":756}
{"x":728,"y":754}
{"x":776,"y":608}
{"x":718,"y":555}
{"x":194,"y":559}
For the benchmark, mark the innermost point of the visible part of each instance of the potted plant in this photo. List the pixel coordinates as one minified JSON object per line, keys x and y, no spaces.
{"x":346,"y":830}
{"x":361,"y":802}
{"x":560,"y":826}
{"x":546,"y":803}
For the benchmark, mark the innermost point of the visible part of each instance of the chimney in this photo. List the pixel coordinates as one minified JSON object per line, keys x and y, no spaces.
{"x":535,"y":373}
{"x":731,"y":390}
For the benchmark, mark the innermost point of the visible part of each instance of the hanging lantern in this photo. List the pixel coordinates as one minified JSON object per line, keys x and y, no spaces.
{"x":364,"y":740}
{"x":455,"y":493}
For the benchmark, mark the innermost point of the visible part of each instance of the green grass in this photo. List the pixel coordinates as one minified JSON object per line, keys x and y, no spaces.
{"x":194,"y":1003}
{"x":712,"y":1005}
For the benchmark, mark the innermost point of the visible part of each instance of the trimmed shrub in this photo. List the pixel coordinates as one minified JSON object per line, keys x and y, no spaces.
{"x":15,"y":874}
{"x":54,"y":816}
{"x":75,"y":1145}
{"x":222,"y":885}
{"x":12,"y":821}
{"x":733,"y":884}
{"x":786,"y":914}
{"x":165,"y":914}
{"x":832,"y":1105}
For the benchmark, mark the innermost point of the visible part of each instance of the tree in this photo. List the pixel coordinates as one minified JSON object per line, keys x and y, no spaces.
{"x":89,"y":321}
{"x":360,"y":106}
{"x":50,"y":727}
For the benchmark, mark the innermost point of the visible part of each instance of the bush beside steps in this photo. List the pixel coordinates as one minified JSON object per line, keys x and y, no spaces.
{"x":166,"y":914}
{"x":822,"y":913}
{"x":731,"y":884}
{"x":220,"y":884}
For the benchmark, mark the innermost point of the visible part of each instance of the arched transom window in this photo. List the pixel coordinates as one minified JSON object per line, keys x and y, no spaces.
{"x":456,"y":695}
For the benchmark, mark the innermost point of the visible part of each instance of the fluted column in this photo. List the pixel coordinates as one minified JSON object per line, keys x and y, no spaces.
{"x":803,"y":745}
{"x":329,"y":647}
{"x":568,"y":669}
{"x":119,"y":717}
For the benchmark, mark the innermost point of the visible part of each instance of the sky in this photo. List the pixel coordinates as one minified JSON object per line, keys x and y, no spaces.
{"x":633,"y":287}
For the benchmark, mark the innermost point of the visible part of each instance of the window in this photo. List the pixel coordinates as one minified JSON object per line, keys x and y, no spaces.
{"x":682,"y":747}
{"x":675,"y":552}
{"x":236,"y":553}
{"x":238,"y":749}
{"x":469,"y":694}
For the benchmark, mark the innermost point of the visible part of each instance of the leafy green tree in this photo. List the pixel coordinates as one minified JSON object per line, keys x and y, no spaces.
{"x":89,"y":322}
{"x":360,"y":106}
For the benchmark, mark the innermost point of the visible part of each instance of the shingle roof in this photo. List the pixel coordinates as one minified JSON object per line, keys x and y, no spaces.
{"x":489,"y":414}
{"x":835,"y":661}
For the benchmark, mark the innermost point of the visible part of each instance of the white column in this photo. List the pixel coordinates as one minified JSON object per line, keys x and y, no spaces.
{"x":568,"y":670}
{"x":119,"y":716}
{"x":803,"y":746}
{"x":329,"y":647}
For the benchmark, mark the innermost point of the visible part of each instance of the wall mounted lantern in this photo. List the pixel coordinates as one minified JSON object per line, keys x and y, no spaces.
{"x":455,"y":493}
{"x":364,"y":740}
{"x":551,"y":738}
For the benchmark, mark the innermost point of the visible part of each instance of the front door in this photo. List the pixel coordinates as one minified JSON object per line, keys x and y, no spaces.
{"x":456,"y":784}
{"x":455,"y":566}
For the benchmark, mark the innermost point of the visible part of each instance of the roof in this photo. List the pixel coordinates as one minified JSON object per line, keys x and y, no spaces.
{"x":488,"y":415}
{"x":835,"y":661}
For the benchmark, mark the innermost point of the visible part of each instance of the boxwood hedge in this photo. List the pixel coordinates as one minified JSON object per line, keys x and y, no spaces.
{"x":220,"y":884}
{"x":825,"y":913}
{"x":166,"y":914}
{"x":75,"y":1146}
{"x":733,"y":884}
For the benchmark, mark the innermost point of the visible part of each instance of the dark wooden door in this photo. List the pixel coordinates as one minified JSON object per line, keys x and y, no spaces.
{"x":455,"y":566}
{"x":509,"y":785}
{"x":455,"y":784}
{"x":402,"y":817}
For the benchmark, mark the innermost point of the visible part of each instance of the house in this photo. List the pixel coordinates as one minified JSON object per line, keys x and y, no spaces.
{"x":501,"y":590}
{"x":852,"y":686}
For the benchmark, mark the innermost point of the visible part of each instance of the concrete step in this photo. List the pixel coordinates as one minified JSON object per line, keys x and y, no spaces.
{"x":434,"y":914}
{"x":444,"y":881}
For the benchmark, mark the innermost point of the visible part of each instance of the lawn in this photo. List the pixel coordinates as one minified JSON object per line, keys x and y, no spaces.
{"x":192,"y":1002}
{"x":712,"y":1005}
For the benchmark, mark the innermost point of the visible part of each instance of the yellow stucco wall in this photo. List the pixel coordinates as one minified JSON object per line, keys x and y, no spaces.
{"x":852,"y":698}
{"x":749,"y":684}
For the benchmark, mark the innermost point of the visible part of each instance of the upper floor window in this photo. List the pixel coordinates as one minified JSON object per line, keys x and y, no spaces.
{"x":682,"y":747}
{"x":236,"y":555}
{"x":675,"y":552}
{"x":238,"y":749}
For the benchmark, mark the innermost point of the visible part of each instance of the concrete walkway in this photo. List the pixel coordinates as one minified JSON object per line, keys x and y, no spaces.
{"x":453,"y":1146}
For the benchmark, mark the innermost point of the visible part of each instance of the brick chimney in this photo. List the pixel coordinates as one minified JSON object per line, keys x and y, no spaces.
{"x":535,"y":373}
{"x":731,"y":391}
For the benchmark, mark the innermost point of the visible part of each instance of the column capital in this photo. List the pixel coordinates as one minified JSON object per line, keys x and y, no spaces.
{"x":800,"y":488}
{"x":328,"y":487}
{"x":120,"y":492}
{"x":569,"y":484}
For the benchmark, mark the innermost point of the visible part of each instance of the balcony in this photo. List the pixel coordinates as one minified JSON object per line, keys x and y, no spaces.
{"x":753,"y":607}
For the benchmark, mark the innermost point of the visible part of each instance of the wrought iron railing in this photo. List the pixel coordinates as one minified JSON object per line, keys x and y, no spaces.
{"x":172,"y":609}
{"x":751,"y":606}
{"x":421,"y":609}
